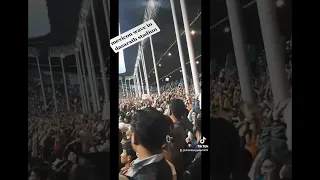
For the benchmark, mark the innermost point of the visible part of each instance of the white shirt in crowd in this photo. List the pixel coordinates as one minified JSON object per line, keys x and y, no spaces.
{"x":123,"y":127}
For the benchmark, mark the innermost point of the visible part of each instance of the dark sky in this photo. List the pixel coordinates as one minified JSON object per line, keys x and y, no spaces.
{"x":64,"y":18}
{"x":221,"y":42}
{"x":38,"y":21}
{"x":131,"y":14}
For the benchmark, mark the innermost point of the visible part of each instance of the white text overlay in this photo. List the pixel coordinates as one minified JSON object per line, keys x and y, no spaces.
{"x":134,"y":35}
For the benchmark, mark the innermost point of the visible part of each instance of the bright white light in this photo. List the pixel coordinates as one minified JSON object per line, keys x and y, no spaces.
{"x":197,"y":62}
{"x":152,"y":3}
{"x":167,"y":79}
{"x":193,"y":32}
{"x":169,"y":76}
{"x":280,"y":3}
{"x":169,"y":54}
{"x":122,"y":65}
{"x":153,"y":72}
{"x":226,"y":29}
{"x":159,"y":65}
{"x":180,"y":70}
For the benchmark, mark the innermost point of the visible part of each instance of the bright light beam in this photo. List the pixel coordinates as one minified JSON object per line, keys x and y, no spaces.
{"x":122,"y":65}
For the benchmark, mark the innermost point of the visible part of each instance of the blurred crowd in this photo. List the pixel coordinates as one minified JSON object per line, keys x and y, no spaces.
{"x":160,"y":137}
{"x":62,"y":142}
{"x":261,"y":131}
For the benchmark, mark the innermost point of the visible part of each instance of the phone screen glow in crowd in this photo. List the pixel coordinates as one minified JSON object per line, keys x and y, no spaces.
{"x":122,"y":66}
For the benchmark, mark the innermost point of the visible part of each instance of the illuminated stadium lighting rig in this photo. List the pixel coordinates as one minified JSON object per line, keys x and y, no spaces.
{"x":182,"y":33}
{"x":179,"y":68}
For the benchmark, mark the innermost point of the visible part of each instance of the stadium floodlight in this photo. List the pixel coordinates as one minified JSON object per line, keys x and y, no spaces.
{"x":150,"y":12}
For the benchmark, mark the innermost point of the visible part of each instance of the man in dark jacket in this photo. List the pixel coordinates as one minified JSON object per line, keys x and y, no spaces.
{"x":177,"y":113}
{"x":149,"y":130}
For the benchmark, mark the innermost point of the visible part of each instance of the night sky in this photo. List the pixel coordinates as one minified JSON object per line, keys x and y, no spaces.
{"x":38,"y":21}
{"x":63,"y":26}
{"x":131,"y":14}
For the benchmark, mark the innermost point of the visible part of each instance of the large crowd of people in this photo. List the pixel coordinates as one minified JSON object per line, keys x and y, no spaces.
{"x":155,"y":130}
{"x":60,"y":141}
{"x":160,"y":136}
{"x":247,"y":141}
{"x":261,"y":132}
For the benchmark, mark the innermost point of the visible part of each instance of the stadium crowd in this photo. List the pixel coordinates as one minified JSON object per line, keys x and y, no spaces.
{"x":155,"y":130}
{"x":261,"y":131}
{"x":247,"y":141}
{"x":160,"y":136}
{"x":61,"y":143}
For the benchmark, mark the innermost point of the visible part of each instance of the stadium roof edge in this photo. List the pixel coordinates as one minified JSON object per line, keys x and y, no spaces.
{"x":58,"y":51}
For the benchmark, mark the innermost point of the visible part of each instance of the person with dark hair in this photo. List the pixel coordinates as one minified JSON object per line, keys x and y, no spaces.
{"x":47,"y":148}
{"x":127,"y":156}
{"x":224,"y":150}
{"x":149,"y":132}
{"x":176,"y":113}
